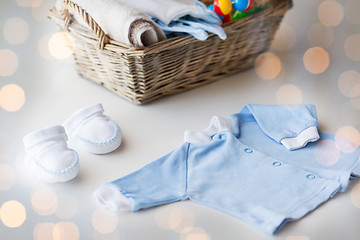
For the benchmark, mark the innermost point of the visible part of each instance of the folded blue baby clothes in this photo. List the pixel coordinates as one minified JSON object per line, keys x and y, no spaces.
{"x":181,"y":16}
{"x":196,"y":27}
{"x":262,"y":165}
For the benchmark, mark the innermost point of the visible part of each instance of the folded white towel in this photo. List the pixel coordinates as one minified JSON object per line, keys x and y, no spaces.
{"x":181,"y":16}
{"x":171,"y":10}
{"x":120,"y":22}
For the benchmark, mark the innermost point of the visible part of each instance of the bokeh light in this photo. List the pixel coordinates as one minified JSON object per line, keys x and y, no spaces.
{"x":349,"y":83}
{"x":44,"y":201}
{"x":58,"y":231}
{"x":7,"y":177}
{"x":104,"y":221}
{"x":330,"y":13}
{"x":175,"y":218}
{"x":43,"y":231}
{"x":16,"y":30}
{"x":320,"y":35}
{"x":61,"y":45}
{"x":43,"y":47}
{"x":195,"y":234}
{"x":355,"y":195}
{"x":347,"y":138}
{"x":67,"y":207}
{"x":355,"y":102}
{"x":327,"y":153}
{"x":12,"y":98}
{"x":28,"y":3}
{"x":66,"y":231}
{"x":352,"y":47}
{"x":285,"y":38}
{"x":347,"y":113}
{"x":40,"y":13}
{"x":12,"y":214}
{"x":9,"y":62}
{"x":289,"y":94}
{"x":352,"y":9}
{"x":267,"y":66}
{"x":181,"y":220}
{"x":109,"y":236}
{"x":162,"y":218}
{"x":297,"y":238}
{"x":316,"y":60}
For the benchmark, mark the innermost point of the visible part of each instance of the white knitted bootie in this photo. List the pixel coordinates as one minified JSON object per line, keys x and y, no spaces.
{"x":48,"y":156}
{"x":97,"y":132}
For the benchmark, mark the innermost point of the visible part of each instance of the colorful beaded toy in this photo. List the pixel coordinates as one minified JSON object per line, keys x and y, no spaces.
{"x":223,"y":8}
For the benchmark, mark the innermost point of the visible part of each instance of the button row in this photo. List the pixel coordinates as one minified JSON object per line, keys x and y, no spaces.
{"x":278,"y":164}
{"x":308,"y":176}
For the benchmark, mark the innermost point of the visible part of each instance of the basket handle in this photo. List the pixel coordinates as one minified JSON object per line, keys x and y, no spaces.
{"x":69,"y":5}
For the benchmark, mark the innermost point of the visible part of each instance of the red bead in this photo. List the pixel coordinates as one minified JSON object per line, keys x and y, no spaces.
{"x":226,"y":18}
{"x":222,"y":7}
{"x":251,"y":4}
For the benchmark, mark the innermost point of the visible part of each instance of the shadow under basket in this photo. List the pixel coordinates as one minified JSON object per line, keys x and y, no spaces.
{"x":141,"y":75}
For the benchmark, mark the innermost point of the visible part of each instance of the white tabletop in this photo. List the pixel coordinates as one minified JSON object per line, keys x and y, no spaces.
{"x":315,"y":58}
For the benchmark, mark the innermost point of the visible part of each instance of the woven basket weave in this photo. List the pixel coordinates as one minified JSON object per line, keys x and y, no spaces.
{"x":141,"y":75}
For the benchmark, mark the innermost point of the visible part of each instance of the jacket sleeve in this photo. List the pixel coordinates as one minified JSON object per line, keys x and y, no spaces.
{"x":160,"y":182}
{"x":290,"y":125}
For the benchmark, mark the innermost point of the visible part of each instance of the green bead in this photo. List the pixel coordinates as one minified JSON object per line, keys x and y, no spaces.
{"x":239,"y":14}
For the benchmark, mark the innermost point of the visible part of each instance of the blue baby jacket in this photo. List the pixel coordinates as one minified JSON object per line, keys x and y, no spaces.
{"x":266,"y":165}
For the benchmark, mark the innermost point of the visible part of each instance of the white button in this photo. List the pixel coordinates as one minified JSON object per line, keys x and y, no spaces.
{"x":248,"y":150}
{"x":310,"y":176}
{"x":277,"y":164}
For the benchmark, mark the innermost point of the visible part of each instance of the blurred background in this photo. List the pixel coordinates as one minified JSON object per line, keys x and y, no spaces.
{"x":314,"y":58}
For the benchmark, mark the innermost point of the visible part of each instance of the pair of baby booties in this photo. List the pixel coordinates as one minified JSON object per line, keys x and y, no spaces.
{"x":48,"y":156}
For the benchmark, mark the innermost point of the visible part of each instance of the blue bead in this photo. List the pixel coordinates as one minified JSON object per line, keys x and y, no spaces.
{"x":211,"y":7}
{"x":240,"y":5}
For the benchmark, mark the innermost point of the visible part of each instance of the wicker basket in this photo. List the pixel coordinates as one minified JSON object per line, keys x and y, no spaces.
{"x":141,"y":75}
